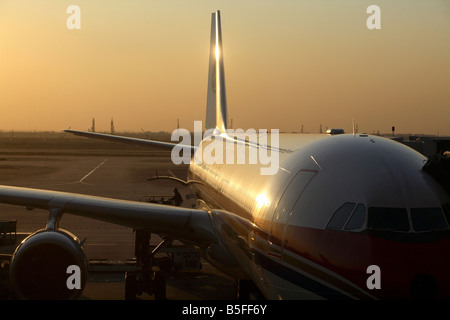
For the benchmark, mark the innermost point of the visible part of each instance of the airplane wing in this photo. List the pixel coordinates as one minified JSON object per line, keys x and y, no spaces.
{"x":194,"y":226}
{"x":129,"y":140}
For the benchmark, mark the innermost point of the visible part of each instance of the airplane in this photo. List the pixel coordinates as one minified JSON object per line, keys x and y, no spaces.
{"x":346,"y":216}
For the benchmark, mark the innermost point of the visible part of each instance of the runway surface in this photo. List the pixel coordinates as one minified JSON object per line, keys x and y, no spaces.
{"x":114,"y":174}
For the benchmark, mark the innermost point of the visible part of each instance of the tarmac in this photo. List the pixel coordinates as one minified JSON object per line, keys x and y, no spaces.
{"x":120,"y":174}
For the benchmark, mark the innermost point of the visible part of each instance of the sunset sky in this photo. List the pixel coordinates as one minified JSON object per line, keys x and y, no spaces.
{"x":288,"y":63}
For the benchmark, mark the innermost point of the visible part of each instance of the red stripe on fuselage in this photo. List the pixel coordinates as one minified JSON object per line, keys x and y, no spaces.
{"x":349,"y":254}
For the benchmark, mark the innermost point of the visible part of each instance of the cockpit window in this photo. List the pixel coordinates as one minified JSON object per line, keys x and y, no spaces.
{"x":427,"y":219}
{"x":392,"y":219}
{"x":357,"y":219}
{"x":341,"y":215}
{"x":352,"y":217}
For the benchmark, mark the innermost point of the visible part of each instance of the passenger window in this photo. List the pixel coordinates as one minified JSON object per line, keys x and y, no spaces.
{"x":357,"y":219}
{"x":392,"y":219}
{"x":340,"y":216}
{"x":427,"y":219}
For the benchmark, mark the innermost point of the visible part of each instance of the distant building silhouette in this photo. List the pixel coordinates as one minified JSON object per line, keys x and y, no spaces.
{"x":93,"y":125}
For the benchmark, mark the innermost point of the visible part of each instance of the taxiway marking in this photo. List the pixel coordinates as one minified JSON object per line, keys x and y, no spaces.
{"x":92,"y":171}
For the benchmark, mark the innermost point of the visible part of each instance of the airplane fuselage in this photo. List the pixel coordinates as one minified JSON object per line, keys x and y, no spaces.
{"x":337,"y":205}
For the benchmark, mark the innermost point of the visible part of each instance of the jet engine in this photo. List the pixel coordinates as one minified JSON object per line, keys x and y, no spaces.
{"x":49,"y":264}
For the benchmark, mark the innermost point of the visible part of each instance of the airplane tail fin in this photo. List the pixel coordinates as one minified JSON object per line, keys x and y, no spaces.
{"x":216,"y":106}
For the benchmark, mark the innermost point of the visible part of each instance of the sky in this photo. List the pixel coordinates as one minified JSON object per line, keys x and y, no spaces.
{"x":288,"y":64}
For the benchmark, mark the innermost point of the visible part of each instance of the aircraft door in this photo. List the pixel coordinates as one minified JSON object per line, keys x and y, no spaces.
{"x":284,"y":209}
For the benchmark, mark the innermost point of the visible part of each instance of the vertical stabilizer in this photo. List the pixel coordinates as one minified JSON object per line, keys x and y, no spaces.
{"x":216,"y":105}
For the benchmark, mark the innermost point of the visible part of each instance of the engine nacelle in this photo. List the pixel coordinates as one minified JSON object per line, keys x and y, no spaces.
{"x":39,"y":266}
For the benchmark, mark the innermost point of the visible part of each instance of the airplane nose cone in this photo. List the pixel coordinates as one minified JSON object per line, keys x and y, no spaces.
{"x":424,"y":286}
